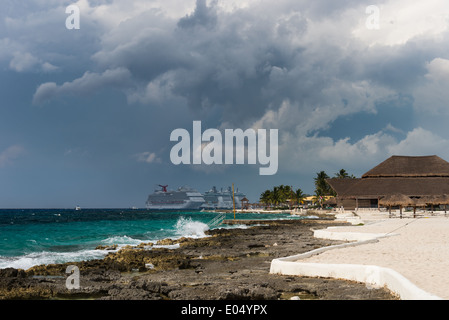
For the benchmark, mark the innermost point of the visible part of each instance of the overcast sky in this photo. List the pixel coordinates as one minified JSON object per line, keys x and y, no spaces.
{"x":86,"y":114}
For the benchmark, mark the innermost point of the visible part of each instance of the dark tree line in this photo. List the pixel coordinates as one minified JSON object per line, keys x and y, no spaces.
{"x":286,"y":195}
{"x":282,"y":195}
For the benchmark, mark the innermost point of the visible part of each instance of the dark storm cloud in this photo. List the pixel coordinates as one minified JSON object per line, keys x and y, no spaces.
{"x":242,"y":62}
{"x":136,"y":70}
{"x":203,"y":15}
{"x":293,"y":65}
{"x":89,"y":83}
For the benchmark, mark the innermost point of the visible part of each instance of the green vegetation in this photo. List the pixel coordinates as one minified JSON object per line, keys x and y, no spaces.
{"x":322,"y":188}
{"x":282,"y":196}
{"x":285,"y":196}
{"x":342,"y":174}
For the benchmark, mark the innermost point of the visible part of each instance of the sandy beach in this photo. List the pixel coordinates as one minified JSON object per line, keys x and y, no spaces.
{"x":416,"y":248}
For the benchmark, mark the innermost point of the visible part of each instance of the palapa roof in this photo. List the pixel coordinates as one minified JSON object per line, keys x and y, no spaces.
{"x":377,"y":187}
{"x":442,"y":199}
{"x":341,"y":186}
{"x":405,"y":166}
{"x":409,"y":176}
{"x":395,"y":200}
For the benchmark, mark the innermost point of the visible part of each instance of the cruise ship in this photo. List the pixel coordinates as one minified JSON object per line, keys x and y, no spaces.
{"x":215,"y":199}
{"x":185,"y":198}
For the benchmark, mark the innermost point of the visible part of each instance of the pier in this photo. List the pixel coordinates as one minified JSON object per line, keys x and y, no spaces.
{"x":278,"y":222}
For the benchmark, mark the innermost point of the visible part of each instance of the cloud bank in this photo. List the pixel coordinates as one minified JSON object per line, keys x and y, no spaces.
{"x":340,"y":94}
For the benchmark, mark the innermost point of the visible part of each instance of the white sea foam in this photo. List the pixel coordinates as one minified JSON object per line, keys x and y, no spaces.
{"x":122,"y":241}
{"x":46,"y":257}
{"x":186,"y":227}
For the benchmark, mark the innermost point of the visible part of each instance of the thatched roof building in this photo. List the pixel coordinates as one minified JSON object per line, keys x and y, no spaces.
{"x":404,"y":166}
{"x":414,"y":177}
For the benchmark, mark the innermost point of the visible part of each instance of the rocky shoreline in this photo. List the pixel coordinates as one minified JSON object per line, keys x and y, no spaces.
{"x":228,"y":264}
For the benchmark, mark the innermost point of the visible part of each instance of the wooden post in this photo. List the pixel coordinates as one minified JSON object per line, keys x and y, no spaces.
{"x":233,"y":199}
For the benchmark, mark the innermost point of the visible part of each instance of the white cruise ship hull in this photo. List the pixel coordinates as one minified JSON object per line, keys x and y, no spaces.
{"x":215,"y":199}
{"x":188,"y":205}
{"x":182,"y":199}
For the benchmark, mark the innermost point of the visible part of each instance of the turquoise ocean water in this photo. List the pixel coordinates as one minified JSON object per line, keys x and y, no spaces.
{"x":30,"y":237}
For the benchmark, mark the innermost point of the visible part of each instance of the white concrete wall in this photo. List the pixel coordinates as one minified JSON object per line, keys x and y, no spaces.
{"x":348,"y":236}
{"x":374,"y":276}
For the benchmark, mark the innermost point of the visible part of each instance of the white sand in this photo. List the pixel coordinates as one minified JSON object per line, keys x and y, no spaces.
{"x":420,"y":251}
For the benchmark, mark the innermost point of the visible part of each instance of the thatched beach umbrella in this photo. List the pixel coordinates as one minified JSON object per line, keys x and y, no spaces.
{"x":396,"y":200}
{"x":245,"y":202}
{"x":418,"y":202}
{"x":445,"y":202}
{"x":442,"y":199}
{"x":429,"y":200}
{"x":432,"y":200}
{"x":422,"y":202}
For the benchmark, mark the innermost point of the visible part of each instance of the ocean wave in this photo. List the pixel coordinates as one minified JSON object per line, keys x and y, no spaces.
{"x":39,"y":258}
{"x":122,"y":241}
{"x":186,"y":227}
{"x":73,"y":252}
{"x":46,"y":257}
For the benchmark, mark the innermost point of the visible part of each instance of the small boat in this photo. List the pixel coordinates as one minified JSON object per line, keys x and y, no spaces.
{"x":77,"y":208}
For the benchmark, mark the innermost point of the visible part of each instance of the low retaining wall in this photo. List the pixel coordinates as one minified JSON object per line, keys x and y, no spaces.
{"x":348,"y":236}
{"x":374,"y":276}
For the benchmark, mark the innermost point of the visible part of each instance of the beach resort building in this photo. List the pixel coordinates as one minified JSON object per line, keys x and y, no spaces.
{"x":423,"y":179}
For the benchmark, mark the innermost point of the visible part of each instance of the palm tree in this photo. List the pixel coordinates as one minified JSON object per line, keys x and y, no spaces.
{"x":342,"y":174}
{"x":281,"y":195}
{"x":275,"y":196}
{"x":322,"y":188}
{"x":285,"y":193}
{"x":266,"y":197}
{"x":299,"y":195}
